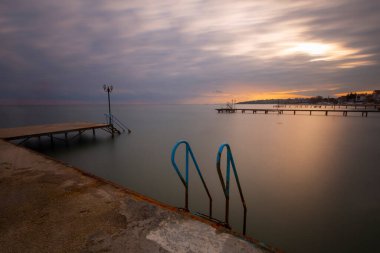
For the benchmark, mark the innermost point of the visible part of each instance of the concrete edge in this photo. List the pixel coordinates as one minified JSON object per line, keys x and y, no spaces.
{"x":138,"y":196}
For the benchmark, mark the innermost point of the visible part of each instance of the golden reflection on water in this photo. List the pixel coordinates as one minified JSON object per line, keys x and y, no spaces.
{"x":310,"y":182}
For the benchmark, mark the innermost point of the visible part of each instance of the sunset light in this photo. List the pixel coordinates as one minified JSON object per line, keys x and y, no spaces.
{"x":169,"y":52}
{"x":312,"y":49}
{"x":357,"y":92}
{"x":124,"y":124}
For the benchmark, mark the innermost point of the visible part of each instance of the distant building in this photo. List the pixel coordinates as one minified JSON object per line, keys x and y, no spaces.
{"x":361,"y":98}
{"x":376,"y":95}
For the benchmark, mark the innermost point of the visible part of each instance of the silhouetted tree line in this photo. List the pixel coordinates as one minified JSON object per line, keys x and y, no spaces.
{"x":351,"y":97}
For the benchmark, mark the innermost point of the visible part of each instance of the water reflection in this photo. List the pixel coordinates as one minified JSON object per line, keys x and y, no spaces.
{"x":310,"y":182}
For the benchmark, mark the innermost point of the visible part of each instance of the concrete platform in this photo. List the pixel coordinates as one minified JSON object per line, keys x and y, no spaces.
{"x":46,"y":206}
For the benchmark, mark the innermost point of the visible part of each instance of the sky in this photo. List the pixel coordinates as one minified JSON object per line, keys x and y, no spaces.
{"x":186,"y":52}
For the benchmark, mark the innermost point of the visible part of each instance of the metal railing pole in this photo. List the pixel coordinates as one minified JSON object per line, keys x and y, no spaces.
{"x":187,"y":178}
{"x":226,"y":185}
{"x":109,"y":106}
{"x":185,"y":181}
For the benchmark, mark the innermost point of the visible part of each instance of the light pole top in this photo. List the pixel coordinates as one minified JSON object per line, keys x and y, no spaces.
{"x":107,"y":88}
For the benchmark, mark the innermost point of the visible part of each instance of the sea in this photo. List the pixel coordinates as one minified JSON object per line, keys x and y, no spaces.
{"x":311,"y":183}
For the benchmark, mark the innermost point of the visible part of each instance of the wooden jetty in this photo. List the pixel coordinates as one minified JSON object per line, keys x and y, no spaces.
{"x":28,"y":132}
{"x":364,"y":113}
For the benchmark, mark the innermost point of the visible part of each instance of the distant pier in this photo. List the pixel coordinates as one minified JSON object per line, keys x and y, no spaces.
{"x":338,"y":106}
{"x":326,"y":112}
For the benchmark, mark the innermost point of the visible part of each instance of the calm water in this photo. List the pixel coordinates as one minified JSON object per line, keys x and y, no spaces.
{"x":311,"y":183}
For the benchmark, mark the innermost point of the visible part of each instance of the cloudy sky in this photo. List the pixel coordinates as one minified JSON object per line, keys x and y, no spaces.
{"x":186,"y":51}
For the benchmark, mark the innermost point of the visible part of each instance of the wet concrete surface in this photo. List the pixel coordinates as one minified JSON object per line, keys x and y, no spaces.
{"x":47,"y":206}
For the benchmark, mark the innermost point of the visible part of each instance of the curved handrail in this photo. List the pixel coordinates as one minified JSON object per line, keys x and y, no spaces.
{"x":113,"y":119}
{"x":185,"y":181}
{"x":226,"y":185}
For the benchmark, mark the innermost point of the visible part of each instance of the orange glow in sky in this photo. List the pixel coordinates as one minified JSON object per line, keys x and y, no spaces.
{"x":209,"y":98}
{"x":273,"y":95}
{"x":357,"y":92}
{"x":186,"y":52}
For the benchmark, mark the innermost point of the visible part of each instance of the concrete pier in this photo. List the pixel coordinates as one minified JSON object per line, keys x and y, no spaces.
{"x":47,"y":206}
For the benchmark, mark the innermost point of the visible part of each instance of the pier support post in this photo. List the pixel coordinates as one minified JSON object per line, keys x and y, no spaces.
{"x":51,"y":140}
{"x":66,"y":139}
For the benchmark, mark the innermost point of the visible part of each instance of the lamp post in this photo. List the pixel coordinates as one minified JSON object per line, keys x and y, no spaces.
{"x":108,"y":89}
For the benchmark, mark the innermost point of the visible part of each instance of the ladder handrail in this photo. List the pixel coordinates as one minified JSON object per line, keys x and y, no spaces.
{"x":185,"y":181}
{"x":115,"y":120}
{"x":226,"y":185}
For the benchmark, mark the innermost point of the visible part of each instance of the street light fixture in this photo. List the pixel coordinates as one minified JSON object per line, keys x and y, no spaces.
{"x":108,"y":89}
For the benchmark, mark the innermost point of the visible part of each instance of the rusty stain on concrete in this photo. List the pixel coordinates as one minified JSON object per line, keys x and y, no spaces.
{"x":47,"y":206}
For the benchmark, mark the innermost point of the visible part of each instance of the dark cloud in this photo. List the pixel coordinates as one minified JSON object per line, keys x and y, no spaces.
{"x":166,"y":52}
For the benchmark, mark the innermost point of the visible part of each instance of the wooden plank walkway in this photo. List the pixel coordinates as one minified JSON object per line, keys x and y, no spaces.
{"x":49,"y":130}
{"x":364,"y":113}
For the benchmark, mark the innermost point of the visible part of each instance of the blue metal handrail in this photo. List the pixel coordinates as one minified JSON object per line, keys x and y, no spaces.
{"x":113,"y":119}
{"x":226,"y":185}
{"x":185,"y":181}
